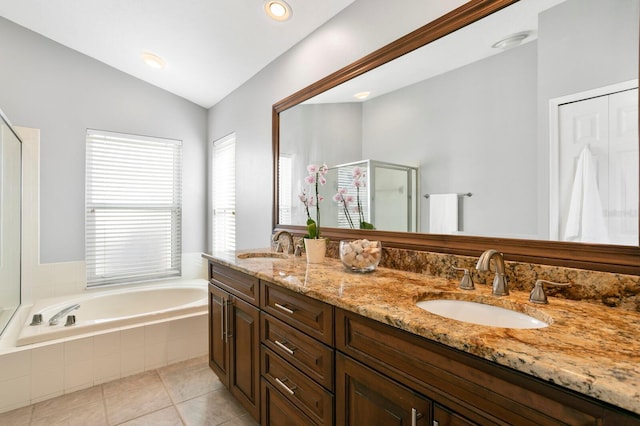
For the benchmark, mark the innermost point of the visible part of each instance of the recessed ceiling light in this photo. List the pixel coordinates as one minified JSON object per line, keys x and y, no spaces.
{"x":154,"y":61}
{"x":278,"y":10}
{"x":511,"y":41}
{"x":362,"y":95}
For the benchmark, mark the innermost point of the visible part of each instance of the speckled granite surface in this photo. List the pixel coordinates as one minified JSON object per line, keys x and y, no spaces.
{"x":615,"y":290}
{"x":590,"y":348}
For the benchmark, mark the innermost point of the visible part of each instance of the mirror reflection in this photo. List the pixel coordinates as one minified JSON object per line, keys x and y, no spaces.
{"x":10,"y":219}
{"x":532,"y":110}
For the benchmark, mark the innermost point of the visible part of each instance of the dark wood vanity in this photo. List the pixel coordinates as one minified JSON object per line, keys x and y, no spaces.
{"x":291,"y":359}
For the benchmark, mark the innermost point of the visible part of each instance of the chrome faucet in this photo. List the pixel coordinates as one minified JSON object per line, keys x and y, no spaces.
{"x":54,"y":319}
{"x":500,"y":286}
{"x":276,"y":239}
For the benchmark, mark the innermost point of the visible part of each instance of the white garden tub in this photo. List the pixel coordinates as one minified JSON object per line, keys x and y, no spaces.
{"x":111,"y":309}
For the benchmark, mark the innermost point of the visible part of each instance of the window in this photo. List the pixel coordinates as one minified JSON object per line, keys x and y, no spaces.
{"x":224,"y":193}
{"x":133,"y":208}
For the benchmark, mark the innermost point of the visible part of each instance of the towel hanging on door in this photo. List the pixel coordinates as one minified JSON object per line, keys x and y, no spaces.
{"x":585,"y":221}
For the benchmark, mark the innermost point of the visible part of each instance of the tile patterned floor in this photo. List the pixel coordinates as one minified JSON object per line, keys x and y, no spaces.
{"x":186,"y":393}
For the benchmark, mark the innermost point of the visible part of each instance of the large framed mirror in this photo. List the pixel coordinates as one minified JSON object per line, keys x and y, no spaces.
{"x":521,"y":116}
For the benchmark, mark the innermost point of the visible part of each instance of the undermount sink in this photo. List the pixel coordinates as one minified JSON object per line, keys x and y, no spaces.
{"x":262,"y":254}
{"x":481,"y":314}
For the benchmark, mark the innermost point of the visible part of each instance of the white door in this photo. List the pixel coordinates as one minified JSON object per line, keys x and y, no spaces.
{"x":607,"y":126}
{"x":623,"y":168}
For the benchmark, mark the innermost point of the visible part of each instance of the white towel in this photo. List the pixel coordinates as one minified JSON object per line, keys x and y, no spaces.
{"x":585,"y":221}
{"x":443,"y":213}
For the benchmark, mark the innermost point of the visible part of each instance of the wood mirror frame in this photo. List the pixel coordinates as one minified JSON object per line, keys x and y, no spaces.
{"x":599,"y":257}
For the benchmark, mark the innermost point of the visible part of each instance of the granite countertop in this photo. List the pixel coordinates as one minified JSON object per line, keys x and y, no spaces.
{"x":589,"y":348}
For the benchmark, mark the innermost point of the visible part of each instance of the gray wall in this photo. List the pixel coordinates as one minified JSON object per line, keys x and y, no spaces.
{"x":359,"y":29}
{"x":320,"y":133}
{"x":469,"y":130}
{"x":62,"y":92}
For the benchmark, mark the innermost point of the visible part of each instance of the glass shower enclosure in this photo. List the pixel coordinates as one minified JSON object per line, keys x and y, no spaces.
{"x":387,"y":196}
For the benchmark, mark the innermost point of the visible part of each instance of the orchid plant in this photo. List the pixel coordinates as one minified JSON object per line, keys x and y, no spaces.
{"x":314,"y":179}
{"x":344,"y":199}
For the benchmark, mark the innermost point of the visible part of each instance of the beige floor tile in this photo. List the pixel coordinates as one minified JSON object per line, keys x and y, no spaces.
{"x":130,"y":398}
{"x":68,"y":402}
{"x":88,"y":414}
{"x":165,"y":417}
{"x":131,"y":382}
{"x":213,"y":408}
{"x":189,"y":380}
{"x":193,"y":362}
{"x":17,"y":417}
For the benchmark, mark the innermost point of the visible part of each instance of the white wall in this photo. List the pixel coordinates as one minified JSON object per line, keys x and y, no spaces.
{"x":47,"y":86}
{"x":358,"y":30}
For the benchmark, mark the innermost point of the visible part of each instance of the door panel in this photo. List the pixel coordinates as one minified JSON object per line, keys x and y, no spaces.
{"x":366,"y":397}
{"x":244,"y":336}
{"x":218,"y":347}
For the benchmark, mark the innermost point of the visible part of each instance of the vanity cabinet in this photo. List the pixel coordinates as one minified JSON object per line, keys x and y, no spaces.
{"x":464,"y":389}
{"x":293,"y":360}
{"x":234,"y":334}
{"x":297,"y":358}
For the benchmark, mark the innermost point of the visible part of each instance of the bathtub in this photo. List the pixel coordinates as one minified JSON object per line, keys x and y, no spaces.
{"x":101,"y":310}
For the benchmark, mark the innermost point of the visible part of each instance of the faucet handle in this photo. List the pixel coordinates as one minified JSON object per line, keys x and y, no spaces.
{"x":467,"y":282}
{"x":537,"y":294}
{"x":298,"y":249}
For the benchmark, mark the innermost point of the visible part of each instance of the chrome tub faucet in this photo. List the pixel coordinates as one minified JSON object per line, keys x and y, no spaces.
{"x":54,"y":319}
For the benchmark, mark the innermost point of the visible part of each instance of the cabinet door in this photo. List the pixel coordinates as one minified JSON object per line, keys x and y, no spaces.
{"x":244,"y":338}
{"x":366,"y":397}
{"x":218,"y":339}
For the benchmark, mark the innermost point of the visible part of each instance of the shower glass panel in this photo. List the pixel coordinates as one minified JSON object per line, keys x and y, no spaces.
{"x":386,"y":196}
{"x":10,"y":220}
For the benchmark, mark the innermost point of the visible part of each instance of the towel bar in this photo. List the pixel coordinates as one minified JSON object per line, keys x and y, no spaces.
{"x":466,"y":194}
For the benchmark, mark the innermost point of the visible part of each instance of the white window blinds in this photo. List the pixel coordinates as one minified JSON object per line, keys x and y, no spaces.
{"x":224,"y":193}
{"x":133,"y":208}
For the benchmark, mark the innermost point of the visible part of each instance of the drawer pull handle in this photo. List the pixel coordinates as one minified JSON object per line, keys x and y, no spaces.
{"x":291,"y":391}
{"x":284,"y":308}
{"x":415,"y":416}
{"x":285,"y":348}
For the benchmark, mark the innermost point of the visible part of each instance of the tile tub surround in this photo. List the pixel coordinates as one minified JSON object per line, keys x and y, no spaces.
{"x":38,"y":372}
{"x":589,"y":348}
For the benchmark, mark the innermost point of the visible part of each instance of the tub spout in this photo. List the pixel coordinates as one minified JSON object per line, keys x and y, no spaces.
{"x":54,"y":319}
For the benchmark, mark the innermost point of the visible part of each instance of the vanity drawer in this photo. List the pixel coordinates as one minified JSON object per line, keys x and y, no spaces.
{"x":307,"y":395}
{"x":245,"y":286}
{"x":304,"y":313}
{"x":313,"y":358}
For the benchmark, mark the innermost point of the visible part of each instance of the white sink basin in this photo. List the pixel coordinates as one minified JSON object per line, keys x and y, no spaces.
{"x":480,"y":313}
